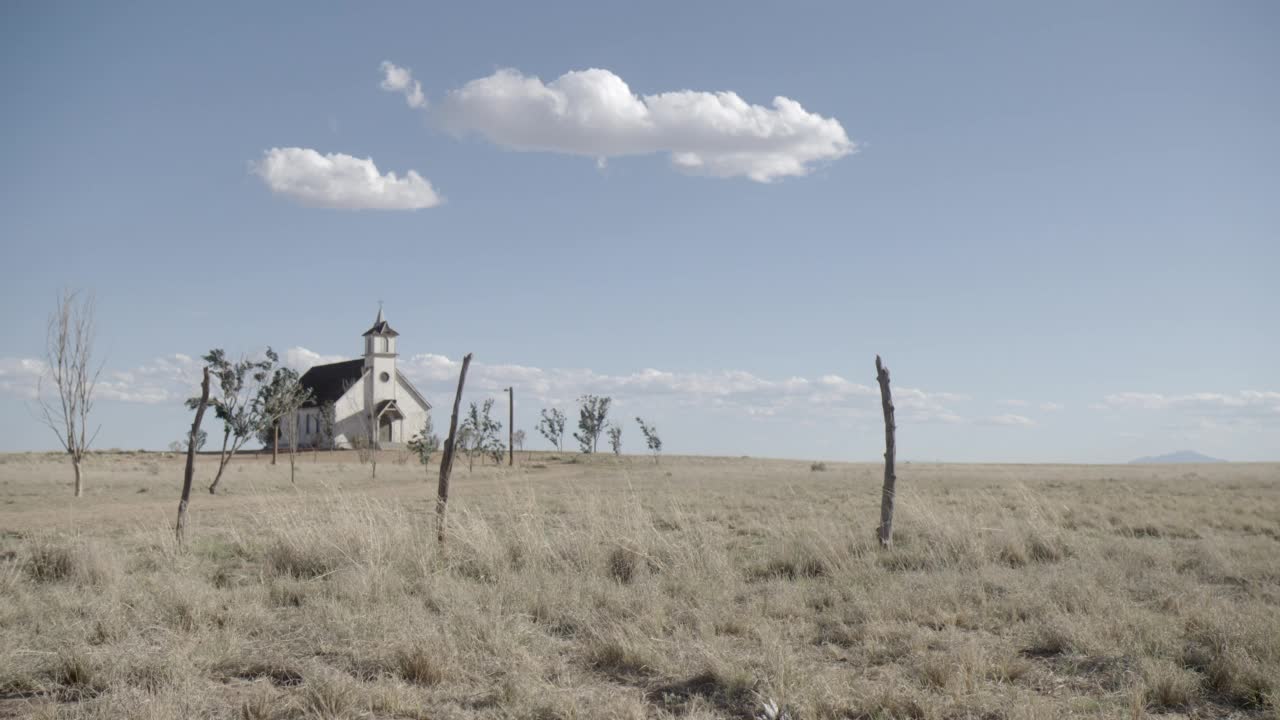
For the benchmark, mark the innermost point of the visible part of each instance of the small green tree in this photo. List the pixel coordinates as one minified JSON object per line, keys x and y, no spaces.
{"x":651,"y":438}
{"x":615,"y":438}
{"x":592,"y":414}
{"x":482,"y":434}
{"x":280,"y":400}
{"x":552,"y":427}
{"x":238,"y":405}
{"x":180,"y":445}
{"x":425,"y":444}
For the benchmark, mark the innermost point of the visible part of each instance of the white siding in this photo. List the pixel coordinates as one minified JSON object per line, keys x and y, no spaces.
{"x":348,"y":414}
{"x":415,"y":413}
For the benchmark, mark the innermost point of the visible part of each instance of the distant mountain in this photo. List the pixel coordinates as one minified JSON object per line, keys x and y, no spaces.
{"x":1182,"y":456}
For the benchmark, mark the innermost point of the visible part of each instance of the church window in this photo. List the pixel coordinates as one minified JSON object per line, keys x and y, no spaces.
{"x":385,"y":376}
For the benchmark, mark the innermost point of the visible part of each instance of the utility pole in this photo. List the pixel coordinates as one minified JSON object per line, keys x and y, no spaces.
{"x":511,"y":426}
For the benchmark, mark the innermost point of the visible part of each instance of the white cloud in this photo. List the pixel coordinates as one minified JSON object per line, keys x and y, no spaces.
{"x":1011,"y":419}
{"x":1051,"y":406}
{"x":594,"y":113}
{"x":302,"y":359}
{"x":167,"y":379}
{"x":20,"y":376}
{"x":341,"y":181}
{"x":171,"y":378}
{"x":398,"y":79}
{"x":728,"y":390}
{"x":1246,"y":406}
{"x":1015,"y":403}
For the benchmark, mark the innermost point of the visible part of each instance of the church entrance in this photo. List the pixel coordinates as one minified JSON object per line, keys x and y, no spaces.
{"x":387,"y":413}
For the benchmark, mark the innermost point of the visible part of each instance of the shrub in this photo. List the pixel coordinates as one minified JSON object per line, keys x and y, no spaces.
{"x":82,"y":564}
{"x":419,"y":667}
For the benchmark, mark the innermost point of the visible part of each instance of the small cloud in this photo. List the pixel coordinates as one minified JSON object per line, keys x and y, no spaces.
{"x":1011,"y":420}
{"x":398,"y":79}
{"x":341,"y":181}
{"x":1208,"y":408}
{"x":594,"y":113}
{"x":302,"y":359}
{"x":1050,"y":407}
{"x":1015,"y":403}
{"x":20,"y":376}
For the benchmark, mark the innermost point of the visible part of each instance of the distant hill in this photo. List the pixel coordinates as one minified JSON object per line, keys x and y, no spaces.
{"x":1182,"y":456}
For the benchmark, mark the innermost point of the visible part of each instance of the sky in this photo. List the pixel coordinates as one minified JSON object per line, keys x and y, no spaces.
{"x":1057,"y":223}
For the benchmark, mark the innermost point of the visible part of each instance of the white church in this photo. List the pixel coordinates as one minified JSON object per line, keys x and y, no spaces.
{"x":371,"y":398}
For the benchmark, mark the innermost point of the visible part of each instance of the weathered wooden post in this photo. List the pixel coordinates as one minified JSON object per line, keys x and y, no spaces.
{"x":511,"y":426}
{"x":191,"y":457}
{"x":887,"y":494}
{"x":446,"y":458}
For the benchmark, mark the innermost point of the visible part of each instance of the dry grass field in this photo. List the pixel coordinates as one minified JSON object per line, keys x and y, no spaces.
{"x":613,"y":588}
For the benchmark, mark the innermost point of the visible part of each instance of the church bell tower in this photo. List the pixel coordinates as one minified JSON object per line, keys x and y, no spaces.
{"x":380,"y":364}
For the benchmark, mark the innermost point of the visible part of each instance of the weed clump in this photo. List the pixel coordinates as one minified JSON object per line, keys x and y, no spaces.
{"x":81,"y":564}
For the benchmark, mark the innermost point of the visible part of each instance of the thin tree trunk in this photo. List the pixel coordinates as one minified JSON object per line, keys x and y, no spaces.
{"x":75,"y":462}
{"x":275,"y":441}
{"x":890,"y":450}
{"x":223,"y":460}
{"x":190,"y":472}
{"x":446,"y":459}
{"x":511,"y":426}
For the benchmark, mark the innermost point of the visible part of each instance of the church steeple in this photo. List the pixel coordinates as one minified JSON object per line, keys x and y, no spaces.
{"x":380,"y":339}
{"x":380,"y":327}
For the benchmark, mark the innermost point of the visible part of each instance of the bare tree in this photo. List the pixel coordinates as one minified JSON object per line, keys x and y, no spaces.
{"x":69,"y":366}
{"x":363,"y":443}
{"x":592,"y":413}
{"x":615,"y":438}
{"x":887,"y":494}
{"x":292,"y":436}
{"x":193,"y":443}
{"x":651,"y":438}
{"x":324,"y":433}
{"x":552,"y":427}
{"x":517,"y":441}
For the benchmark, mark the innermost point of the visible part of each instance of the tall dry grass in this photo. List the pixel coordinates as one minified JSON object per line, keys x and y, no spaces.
{"x":721,"y":591}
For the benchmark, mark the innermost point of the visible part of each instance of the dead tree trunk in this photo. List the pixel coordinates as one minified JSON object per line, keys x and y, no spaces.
{"x":446,"y":459}
{"x":275,"y":441}
{"x":191,"y":457}
{"x":887,"y":494}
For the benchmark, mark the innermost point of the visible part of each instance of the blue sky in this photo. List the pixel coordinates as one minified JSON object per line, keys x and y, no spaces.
{"x":1058,"y":224}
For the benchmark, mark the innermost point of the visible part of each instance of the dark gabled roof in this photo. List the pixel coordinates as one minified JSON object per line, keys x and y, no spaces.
{"x":380,"y":327}
{"x":327,"y":383}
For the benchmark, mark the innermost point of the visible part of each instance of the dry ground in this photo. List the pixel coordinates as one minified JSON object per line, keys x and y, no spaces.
{"x":698,"y":588}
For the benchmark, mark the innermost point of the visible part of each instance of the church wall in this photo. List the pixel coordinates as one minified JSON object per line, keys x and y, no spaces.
{"x":415,"y":416}
{"x":347,"y":412}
